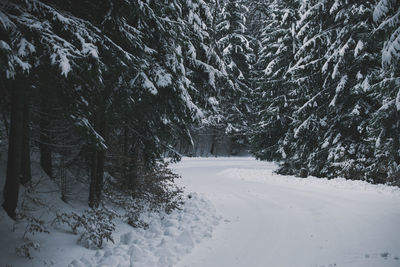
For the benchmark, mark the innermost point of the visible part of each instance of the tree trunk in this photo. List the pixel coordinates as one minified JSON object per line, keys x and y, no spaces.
{"x":124,"y":160}
{"x":214,"y":145}
{"x":3,"y":107}
{"x":44,"y":140}
{"x":133,"y":176}
{"x":98,"y":159}
{"x":92,"y":189}
{"x":6,"y":124}
{"x":26,"y":175}
{"x":100,"y":175}
{"x":11,"y":187}
{"x":126,"y":141}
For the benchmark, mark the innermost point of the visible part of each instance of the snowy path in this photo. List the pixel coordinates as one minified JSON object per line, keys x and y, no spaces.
{"x":277,"y":221}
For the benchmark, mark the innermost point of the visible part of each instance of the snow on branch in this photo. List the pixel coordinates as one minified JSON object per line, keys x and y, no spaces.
{"x":144,"y":82}
{"x":6,"y":22}
{"x":391,"y":49}
{"x":382,"y":9}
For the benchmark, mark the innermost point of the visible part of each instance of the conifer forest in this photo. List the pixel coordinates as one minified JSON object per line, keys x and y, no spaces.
{"x":105,"y":94}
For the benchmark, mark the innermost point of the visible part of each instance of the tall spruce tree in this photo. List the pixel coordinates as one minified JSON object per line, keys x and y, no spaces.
{"x":234,"y":44}
{"x":324,"y":93}
{"x":277,"y":46}
{"x":329,"y":126}
{"x":385,"y":163}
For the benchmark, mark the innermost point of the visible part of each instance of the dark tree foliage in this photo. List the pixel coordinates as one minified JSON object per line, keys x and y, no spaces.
{"x":105,"y":87}
{"x":327,"y":102}
{"x":116,"y":87}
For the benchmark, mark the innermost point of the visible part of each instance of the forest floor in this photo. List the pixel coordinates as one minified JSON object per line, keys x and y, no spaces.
{"x":241,"y":214}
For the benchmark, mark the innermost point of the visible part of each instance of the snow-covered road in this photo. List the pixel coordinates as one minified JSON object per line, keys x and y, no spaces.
{"x":277,"y":221}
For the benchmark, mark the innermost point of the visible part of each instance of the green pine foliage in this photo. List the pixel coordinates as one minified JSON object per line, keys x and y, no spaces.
{"x":112,"y":87}
{"x":385,"y":164}
{"x":271,"y":93}
{"x":326,"y":93}
{"x":235,"y":45}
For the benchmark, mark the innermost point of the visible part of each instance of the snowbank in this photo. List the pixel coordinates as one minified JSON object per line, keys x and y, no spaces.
{"x":168,"y":238}
{"x":267,"y":175}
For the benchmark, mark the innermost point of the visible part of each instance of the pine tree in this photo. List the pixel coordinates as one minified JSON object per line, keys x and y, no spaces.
{"x":316,"y":118}
{"x":235,"y":45}
{"x":276,"y":51}
{"x":350,"y":61}
{"x":385,"y":120}
{"x":29,"y":41}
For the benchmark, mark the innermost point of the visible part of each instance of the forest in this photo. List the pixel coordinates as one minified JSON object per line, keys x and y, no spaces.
{"x":93,"y":90}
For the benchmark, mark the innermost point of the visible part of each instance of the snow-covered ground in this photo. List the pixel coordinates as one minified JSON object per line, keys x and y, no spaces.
{"x":281,"y":221}
{"x":241,"y":214}
{"x":167,"y":239}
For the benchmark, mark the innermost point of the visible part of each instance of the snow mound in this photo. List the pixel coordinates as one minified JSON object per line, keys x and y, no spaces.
{"x":167,"y":239}
{"x":267,"y":175}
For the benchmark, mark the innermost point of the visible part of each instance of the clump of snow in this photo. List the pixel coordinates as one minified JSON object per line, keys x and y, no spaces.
{"x":359,"y":48}
{"x":88,"y":48}
{"x":325,"y":144}
{"x":213,"y":101}
{"x":4,"y":45}
{"x":25,"y":48}
{"x":381,"y":9}
{"x":341,"y":84}
{"x":390,"y":52}
{"x":144,"y":82}
{"x":365,"y":85}
{"x":303,"y":126}
{"x":25,"y":66}
{"x":334,"y":7}
{"x":60,"y":57}
{"x":163,"y":78}
{"x":356,"y":110}
{"x":167,"y":239}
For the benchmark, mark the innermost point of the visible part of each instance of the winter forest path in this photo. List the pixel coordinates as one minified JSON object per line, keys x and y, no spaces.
{"x":278,"y":221}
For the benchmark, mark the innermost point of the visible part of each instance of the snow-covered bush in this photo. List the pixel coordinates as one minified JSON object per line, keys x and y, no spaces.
{"x":158,"y":189}
{"x":132,"y":217}
{"x":25,"y":250}
{"x":28,"y":219}
{"x":97,"y":225}
{"x":33,"y":226}
{"x":154,"y":190}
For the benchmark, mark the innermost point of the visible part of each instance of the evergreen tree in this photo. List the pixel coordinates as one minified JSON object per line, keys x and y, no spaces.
{"x":27,"y":42}
{"x":350,"y":60}
{"x":117,"y":71}
{"x":235,"y":45}
{"x":277,"y":46}
{"x":316,"y":118}
{"x":329,"y":126}
{"x":385,"y":120}
{"x":206,"y":70}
